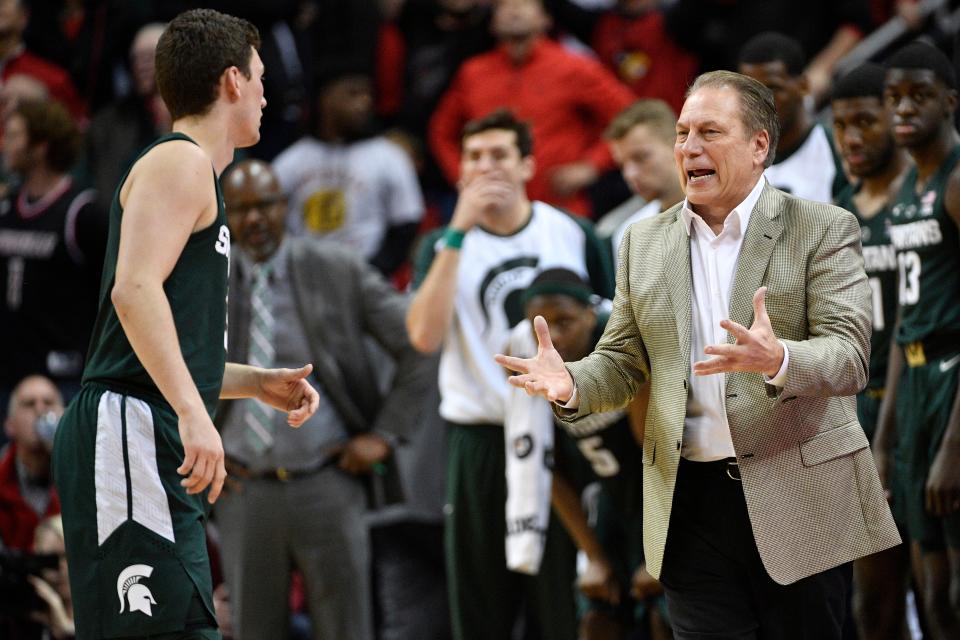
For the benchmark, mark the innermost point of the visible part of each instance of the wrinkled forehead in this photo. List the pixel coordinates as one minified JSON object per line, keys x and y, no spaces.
{"x":720,"y":106}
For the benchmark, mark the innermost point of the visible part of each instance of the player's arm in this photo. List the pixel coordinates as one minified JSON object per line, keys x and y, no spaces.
{"x":885,"y":438}
{"x":169,"y":195}
{"x":431,"y":310}
{"x":943,"y":483}
{"x":598,"y":581}
{"x":285,"y":389}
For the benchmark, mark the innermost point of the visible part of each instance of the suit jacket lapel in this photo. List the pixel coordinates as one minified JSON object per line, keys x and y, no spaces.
{"x":761,"y":237}
{"x":676,"y":262}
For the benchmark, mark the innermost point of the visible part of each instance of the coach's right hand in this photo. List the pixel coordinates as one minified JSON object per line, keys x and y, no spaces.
{"x":203,"y":455}
{"x":544,"y":374}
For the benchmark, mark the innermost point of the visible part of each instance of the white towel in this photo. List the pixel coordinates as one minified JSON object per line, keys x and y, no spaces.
{"x":528,"y":438}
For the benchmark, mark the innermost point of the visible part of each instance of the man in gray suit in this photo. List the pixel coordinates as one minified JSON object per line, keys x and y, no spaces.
{"x":748,"y":311}
{"x":299,"y":496}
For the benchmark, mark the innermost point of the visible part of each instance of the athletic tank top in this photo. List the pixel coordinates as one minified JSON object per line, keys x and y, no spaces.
{"x":928,"y":256}
{"x":880,"y":263}
{"x":197,"y":292}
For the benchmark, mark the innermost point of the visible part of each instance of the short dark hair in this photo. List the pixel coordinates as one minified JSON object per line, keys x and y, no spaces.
{"x":758,"y":111}
{"x":502,"y":119}
{"x":919,"y":55}
{"x":559,"y":281}
{"x":654,"y":113}
{"x":865,"y":81}
{"x":771,"y":46}
{"x":194,"y":51}
{"x":49,"y":122}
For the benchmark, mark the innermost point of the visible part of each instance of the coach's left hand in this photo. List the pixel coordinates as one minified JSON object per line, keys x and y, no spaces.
{"x":756,"y":349}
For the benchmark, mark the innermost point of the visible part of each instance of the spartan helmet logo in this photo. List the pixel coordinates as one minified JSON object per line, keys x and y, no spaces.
{"x":130,"y":590}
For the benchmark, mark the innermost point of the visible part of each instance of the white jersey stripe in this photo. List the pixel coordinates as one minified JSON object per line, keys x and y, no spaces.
{"x":151,"y":507}
{"x":110,"y":482}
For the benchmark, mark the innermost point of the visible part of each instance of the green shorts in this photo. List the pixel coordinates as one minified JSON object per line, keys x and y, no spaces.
{"x":924,"y":401}
{"x":868,"y":410}
{"x":136,"y":543}
{"x":485,"y":597}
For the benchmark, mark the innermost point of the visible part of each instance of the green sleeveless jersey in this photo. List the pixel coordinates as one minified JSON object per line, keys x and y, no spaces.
{"x":880,"y":263}
{"x":928,"y":255}
{"x":197,"y":292}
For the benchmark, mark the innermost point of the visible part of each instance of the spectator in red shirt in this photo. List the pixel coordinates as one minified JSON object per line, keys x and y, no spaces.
{"x":26,"y":492}
{"x":15,"y":59}
{"x":631,"y":40}
{"x":567,"y":98}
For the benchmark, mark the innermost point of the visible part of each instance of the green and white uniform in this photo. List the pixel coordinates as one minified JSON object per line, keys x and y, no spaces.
{"x":927,"y":242}
{"x":135,"y":540}
{"x":494,"y":271}
{"x":880,"y":263}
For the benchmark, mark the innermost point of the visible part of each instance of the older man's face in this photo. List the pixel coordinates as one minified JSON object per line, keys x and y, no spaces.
{"x":256,"y":209}
{"x":32,"y":398}
{"x":718,"y":160}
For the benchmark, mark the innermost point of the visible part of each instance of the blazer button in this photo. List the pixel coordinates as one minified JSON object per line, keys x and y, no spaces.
{"x":684,"y":383}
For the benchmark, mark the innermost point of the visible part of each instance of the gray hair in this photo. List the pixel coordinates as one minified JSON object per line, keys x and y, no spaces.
{"x":758,"y":112}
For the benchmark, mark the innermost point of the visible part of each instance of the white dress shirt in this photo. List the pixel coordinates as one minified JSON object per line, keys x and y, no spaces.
{"x":713,"y":264}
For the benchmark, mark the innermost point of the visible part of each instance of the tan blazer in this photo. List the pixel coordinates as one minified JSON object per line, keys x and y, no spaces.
{"x":811,"y":487}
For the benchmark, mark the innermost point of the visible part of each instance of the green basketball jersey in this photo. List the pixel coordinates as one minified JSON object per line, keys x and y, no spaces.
{"x":928,"y":255}
{"x":880,"y":263}
{"x":197,"y":292}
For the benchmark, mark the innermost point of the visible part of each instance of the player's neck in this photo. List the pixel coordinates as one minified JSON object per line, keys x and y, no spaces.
{"x":879,"y":184}
{"x":790,"y":140}
{"x":211,"y":136}
{"x":929,"y":157}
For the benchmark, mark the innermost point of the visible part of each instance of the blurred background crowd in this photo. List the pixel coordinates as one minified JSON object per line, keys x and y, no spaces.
{"x":366,"y":101}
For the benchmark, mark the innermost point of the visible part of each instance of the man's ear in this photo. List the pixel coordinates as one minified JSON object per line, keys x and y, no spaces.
{"x":529,"y":165}
{"x":951,"y":101}
{"x":230,"y":83}
{"x":762,"y":148}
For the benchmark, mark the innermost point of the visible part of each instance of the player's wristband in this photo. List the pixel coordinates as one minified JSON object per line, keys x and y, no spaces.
{"x":453,"y":238}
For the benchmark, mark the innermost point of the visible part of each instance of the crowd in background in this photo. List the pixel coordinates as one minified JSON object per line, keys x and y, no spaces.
{"x":361,"y":149}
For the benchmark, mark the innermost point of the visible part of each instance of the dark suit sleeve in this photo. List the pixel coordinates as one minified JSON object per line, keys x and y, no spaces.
{"x":383,"y":312}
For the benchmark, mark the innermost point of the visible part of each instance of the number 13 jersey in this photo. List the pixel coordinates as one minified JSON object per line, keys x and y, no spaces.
{"x":927,"y":242}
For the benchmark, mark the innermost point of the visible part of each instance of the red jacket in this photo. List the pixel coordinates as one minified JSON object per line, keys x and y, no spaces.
{"x":18,"y":520}
{"x":644,"y":57}
{"x":56,"y":80}
{"x":567,"y":98}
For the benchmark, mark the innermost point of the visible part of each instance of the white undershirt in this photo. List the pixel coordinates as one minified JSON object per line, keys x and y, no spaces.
{"x":713,"y":264}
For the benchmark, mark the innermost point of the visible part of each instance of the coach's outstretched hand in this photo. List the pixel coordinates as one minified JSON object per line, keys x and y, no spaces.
{"x":288,"y":390}
{"x":544,"y":374}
